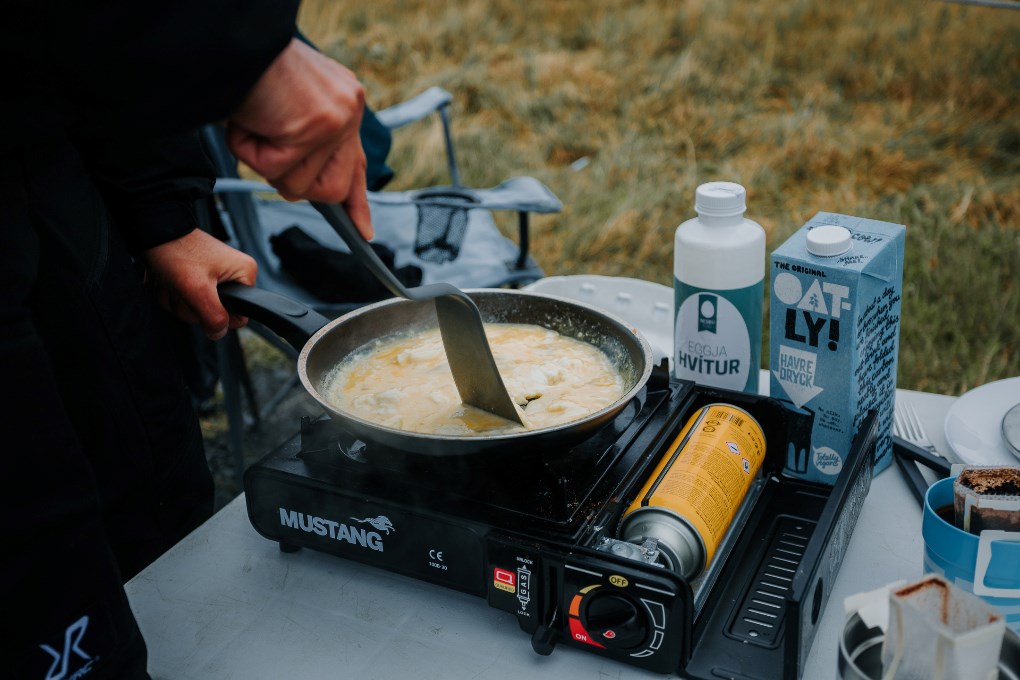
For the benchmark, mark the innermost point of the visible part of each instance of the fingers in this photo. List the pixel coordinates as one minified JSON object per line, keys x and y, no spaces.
{"x":208,"y":311}
{"x":327,"y":173}
{"x":357,"y":207}
{"x":270,"y":158}
{"x":194,"y":302}
{"x":237,"y":321}
{"x":297,"y":183}
{"x":299,"y":128}
{"x":212,"y":316}
{"x":185,"y":273}
{"x":330,"y":175}
{"x":193,"y":305}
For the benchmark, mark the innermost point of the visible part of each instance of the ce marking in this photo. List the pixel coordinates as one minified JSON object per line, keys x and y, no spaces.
{"x":436,"y":555}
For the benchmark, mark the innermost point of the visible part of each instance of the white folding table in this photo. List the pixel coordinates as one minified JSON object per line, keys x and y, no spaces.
{"x":226,"y":603}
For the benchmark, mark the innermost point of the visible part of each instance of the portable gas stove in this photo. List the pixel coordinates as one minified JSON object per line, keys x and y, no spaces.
{"x":531,"y":532}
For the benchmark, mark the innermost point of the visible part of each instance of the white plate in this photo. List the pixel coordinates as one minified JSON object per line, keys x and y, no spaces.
{"x":974,"y":423}
{"x":646,"y":305}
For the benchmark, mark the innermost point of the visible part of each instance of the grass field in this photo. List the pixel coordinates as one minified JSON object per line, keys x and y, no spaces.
{"x":901,"y":111}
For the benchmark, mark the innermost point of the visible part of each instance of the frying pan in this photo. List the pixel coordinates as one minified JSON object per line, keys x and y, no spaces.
{"x":322,"y":344}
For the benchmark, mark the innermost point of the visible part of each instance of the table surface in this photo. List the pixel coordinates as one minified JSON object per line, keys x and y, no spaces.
{"x":226,"y":603}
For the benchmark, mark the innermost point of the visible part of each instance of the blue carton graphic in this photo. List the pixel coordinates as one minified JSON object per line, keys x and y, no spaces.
{"x":834,"y":337}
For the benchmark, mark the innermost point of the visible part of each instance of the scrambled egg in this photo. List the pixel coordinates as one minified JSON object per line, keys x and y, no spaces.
{"x":405,"y":382}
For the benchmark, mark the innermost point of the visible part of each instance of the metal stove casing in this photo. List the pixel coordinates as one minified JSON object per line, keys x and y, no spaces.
{"x":759,"y":610}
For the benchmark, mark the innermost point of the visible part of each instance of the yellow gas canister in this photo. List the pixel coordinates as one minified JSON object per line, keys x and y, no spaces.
{"x":691,"y":497}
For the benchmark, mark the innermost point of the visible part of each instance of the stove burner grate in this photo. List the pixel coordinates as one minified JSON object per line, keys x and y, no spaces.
{"x":528,"y":484}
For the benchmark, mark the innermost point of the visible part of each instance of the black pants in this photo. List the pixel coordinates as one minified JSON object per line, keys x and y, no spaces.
{"x":102,"y":466}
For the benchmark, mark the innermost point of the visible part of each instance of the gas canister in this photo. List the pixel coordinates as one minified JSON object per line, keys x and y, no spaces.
{"x":691,"y":497}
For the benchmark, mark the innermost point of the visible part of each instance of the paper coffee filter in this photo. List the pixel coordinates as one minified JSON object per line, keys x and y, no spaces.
{"x":987,"y":498}
{"x":937,"y":631}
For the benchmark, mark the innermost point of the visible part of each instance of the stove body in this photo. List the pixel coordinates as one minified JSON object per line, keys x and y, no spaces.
{"x":522,"y":529}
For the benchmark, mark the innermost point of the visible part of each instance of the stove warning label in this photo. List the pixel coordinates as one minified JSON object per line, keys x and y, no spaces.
{"x":504,"y":579}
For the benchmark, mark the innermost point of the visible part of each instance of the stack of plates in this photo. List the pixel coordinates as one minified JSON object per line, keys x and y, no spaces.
{"x":977,"y":426}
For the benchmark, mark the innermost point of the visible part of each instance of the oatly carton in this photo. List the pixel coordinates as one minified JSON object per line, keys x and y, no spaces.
{"x":834,"y":336}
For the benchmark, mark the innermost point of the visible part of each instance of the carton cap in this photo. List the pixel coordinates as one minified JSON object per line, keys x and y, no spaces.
{"x":720,"y":199}
{"x":828,"y":241}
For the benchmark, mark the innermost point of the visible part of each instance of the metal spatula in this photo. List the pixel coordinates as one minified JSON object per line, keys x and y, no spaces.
{"x":460,"y":323}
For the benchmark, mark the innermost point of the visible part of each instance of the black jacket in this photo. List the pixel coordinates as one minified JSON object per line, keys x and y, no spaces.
{"x":102,"y":467}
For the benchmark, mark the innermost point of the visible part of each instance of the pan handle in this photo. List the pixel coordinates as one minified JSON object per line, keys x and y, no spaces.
{"x":291,"y":320}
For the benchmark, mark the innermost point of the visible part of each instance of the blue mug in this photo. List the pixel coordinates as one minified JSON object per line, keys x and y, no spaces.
{"x":987,"y":565}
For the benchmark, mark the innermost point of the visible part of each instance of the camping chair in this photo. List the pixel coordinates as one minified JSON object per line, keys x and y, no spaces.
{"x":448,"y":232}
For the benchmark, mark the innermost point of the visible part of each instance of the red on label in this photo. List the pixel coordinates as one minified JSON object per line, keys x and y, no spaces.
{"x":578,"y":632}
{"x":504,"y":576}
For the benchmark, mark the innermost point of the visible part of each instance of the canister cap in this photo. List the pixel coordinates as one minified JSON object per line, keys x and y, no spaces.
{"x":720,"y":199}
{"x":828,"y":240}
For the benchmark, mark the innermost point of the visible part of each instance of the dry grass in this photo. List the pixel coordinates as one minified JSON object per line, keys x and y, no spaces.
{"x":904,"y":111}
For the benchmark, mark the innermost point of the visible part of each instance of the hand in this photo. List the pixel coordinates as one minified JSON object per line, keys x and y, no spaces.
{"x":184,"y":274}
{"x":299,"y":128}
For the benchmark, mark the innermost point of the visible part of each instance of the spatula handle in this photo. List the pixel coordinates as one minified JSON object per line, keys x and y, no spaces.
{"x":341,"y":222}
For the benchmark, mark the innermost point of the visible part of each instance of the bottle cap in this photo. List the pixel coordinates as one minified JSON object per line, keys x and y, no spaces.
{"x":828,"y":241}
{"x":720,"y":199}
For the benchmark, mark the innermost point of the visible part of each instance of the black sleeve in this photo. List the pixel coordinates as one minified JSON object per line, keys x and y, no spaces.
{"x":152,"y":186}
{"x":99,"y":70}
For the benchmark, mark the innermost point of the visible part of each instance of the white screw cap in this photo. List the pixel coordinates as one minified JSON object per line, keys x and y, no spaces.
{"x":720,"y":199}
{"x":828,"y":241}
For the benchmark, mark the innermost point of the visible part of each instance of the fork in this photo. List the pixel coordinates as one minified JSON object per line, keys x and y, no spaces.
{"x":907,"y":426}
{"x":911,"y":447}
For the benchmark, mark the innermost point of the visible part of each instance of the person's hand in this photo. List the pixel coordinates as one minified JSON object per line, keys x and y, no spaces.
{"x":299,"y":128}
{"x":184,"y":274}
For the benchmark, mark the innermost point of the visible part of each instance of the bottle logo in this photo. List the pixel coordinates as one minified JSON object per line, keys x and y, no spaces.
{"x":711,"y":344}
{"x":708,"y":309}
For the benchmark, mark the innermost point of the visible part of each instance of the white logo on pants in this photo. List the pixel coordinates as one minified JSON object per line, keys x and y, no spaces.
{"x":72,"y":640}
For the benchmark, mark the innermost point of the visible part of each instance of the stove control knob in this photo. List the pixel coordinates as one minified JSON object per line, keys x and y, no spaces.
{"x":615,"y":621}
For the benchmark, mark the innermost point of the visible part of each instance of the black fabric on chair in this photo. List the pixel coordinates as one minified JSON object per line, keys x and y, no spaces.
{"x":332,"y":275}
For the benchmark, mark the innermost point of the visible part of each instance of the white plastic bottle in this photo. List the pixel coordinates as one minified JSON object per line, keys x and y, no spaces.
{"x":718,"y":289}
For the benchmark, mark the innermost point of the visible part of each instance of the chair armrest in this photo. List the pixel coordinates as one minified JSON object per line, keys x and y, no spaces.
{"x":415,"y":108}
{"x":519,"y":194}
{"x":231,"y":185}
